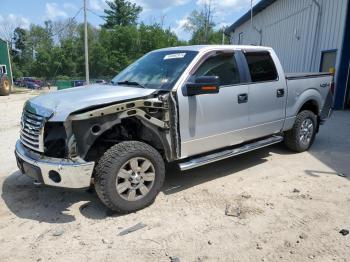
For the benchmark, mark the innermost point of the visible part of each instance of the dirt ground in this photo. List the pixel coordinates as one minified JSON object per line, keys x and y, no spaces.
{"x":283,"y":207}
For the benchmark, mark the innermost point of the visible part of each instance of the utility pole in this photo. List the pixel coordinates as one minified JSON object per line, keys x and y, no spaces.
{"x":87,"y":79}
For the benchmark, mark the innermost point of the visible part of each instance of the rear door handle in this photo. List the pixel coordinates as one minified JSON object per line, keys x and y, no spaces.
{"x":242,"y":98}
{"x":280,"y":92}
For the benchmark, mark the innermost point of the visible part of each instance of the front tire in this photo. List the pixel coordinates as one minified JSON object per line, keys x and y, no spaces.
{"x":129,"y":176}
{"x":302,"y":135}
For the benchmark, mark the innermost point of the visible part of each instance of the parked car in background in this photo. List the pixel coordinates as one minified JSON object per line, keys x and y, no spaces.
{"x":17,"y":82}
{"x":101,"y":81}
{"x":32,"y":85}
{"x":38,"y":82}
{"x":29,"y":82}
{"x":25,"y":80}
{"x":76,"y":83}
{"x":190,"y":105}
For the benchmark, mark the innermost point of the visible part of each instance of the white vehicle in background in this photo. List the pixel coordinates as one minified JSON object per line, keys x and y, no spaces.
{"x":192,"y":105}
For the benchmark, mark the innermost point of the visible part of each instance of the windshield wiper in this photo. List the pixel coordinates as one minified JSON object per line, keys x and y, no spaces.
{"x":130,"y":83}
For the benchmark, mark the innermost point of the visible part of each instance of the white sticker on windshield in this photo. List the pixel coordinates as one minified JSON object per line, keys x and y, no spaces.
{"x":175,"y":56}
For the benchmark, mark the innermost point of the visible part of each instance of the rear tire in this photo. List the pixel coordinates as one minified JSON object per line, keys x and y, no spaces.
{"x":5,"y":86}
{"x":302,"y":135}
{"x":129,"y":176}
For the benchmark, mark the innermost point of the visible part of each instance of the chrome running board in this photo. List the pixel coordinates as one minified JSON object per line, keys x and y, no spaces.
{"x":203,"y":160}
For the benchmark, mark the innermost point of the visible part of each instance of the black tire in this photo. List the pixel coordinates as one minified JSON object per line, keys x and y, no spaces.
{"x":292,"y":137}
{"x":109,"y":166}
{"x":5,"y":86}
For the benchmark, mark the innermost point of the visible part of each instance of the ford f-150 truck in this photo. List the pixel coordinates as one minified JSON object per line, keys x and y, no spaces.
{"x":192,"y":105}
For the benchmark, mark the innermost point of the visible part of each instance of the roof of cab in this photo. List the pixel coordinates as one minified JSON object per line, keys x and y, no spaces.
{"x":203,"y":48}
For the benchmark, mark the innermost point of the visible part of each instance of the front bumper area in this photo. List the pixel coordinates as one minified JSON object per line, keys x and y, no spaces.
{"x":53,"y":171}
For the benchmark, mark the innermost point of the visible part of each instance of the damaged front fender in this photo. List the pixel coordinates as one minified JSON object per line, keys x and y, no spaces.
{"x":143,"y":119}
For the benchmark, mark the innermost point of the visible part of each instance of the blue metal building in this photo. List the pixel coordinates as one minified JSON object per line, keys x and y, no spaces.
{"x":307,"y":35}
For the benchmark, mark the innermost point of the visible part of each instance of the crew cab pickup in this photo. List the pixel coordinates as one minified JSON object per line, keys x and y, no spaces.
{"x":191,"y":105}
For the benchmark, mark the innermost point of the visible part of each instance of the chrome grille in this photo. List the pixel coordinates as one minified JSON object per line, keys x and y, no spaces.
{"x":32,"y":130}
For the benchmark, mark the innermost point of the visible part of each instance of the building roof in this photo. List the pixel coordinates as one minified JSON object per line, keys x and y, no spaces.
{"x":256,"y":9}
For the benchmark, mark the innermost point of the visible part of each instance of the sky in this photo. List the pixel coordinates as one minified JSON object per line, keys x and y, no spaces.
{"x":173,"y":13}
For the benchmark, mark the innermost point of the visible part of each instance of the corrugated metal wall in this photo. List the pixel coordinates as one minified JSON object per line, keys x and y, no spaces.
{"x":289,"y":26}
{"x":4,"y":58}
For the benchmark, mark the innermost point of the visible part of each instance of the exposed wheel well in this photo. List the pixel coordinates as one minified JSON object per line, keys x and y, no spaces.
{"x":128,"y":129}
{"x":310,"y":105}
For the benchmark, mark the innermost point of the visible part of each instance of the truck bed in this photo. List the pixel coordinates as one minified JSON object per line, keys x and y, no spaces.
{"x":307,"y":86}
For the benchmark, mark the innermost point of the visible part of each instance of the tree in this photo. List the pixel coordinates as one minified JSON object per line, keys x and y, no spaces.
{"x":56,"y":49}
{"x":65,"y":29}
{"x":202,"y":26}
{"x":20,"y":37}
{"x":8,"y":25}
{"x":21,"y":52}
{"x":155,"y":37}
{"x":41,"y":36}
{"x":121,"y":13}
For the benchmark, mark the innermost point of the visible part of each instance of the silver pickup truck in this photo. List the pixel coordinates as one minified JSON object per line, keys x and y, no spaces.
{"x":192,"y":105}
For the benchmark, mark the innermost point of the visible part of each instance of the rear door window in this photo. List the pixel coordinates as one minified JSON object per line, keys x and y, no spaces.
{"x":261,"y":66}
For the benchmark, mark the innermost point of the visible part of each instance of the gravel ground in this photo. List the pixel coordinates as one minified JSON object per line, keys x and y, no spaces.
{"x":267,"y":205}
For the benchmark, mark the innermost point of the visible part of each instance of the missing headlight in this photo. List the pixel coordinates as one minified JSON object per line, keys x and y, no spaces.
{"x":55,"y":140}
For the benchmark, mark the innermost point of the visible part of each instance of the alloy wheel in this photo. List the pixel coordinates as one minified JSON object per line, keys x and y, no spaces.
{"x":135,"y":179}
{"x":306,"y":131}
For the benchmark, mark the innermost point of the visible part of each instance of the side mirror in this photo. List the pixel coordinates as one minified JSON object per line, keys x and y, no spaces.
{"x":202,"y":85}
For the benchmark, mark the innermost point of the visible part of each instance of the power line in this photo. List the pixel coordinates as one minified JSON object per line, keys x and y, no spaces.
{"x":92,"y":12}
{"x":96,"y":14}
{"x":71,"y":20}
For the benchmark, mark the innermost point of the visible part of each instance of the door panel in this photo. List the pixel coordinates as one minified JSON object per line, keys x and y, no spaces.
{"x":266,"y":109}
{"x":212,"y":121}
{"x":267,"y":95}
{"x":209,"y":122}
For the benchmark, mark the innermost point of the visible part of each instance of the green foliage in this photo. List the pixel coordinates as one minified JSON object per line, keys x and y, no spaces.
{"x":200,"y":26}
{"x":121,"y":13}
{"x":60,"y":77}
{"x":15,"y":70}
{"x":56,"y":49}
{"x":39,"y":53}
{"x":20,"y":38}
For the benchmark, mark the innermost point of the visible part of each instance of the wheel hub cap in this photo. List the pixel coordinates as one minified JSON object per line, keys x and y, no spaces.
{"x":306,"y":131}
{"x":135,"y":179}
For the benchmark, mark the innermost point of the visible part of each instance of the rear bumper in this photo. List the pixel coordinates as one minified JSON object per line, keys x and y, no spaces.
{"x":53,"y":171}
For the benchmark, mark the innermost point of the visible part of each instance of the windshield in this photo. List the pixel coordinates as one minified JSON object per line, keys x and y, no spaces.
{"x":156,"y":70}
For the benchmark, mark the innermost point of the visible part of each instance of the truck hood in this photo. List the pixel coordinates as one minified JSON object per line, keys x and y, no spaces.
{"x":59,"y":105}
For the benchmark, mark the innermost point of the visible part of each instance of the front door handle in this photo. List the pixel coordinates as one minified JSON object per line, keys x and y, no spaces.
{"x":280,"y":92}
{"x":242,"y":98}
